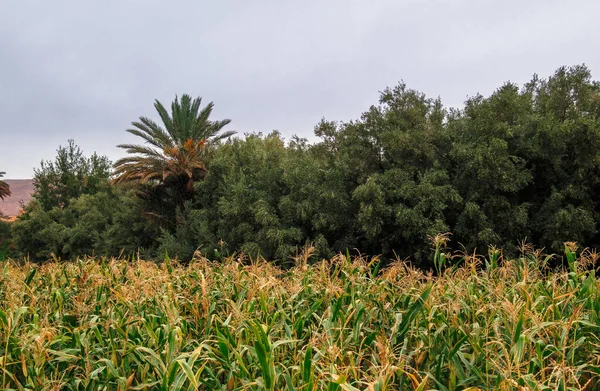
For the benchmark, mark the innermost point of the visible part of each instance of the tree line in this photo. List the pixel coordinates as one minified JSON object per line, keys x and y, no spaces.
{"x":520,"y":164}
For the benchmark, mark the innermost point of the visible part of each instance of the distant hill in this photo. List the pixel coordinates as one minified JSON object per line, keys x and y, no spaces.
{"x":21,"y":190}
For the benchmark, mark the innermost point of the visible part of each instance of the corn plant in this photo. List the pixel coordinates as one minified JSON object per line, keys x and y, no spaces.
{"x":333,"y":325}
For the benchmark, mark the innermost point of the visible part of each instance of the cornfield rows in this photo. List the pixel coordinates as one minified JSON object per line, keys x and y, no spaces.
{"x":334,"y":325}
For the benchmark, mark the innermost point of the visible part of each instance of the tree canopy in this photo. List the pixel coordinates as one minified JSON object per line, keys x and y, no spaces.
{"x":520,"y":164}
{"x":174,"y":151}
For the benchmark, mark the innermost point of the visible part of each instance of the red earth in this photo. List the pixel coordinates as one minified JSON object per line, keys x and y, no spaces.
{"x":21,"y":190}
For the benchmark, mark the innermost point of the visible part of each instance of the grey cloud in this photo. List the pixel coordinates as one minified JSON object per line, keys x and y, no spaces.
{"x":86,"y":69}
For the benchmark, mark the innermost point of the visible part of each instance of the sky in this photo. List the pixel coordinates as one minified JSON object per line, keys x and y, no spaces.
{"x":83,"y":70}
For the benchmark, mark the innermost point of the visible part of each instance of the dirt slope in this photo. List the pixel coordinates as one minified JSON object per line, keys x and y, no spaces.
{"x":21,"y":190}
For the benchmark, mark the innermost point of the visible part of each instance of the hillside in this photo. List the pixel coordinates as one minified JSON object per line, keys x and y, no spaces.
{"x":21,"y":190}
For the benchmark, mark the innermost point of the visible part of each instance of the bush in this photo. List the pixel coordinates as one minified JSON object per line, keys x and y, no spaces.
{"x":107,"y":223}
{"x":6,"y":245}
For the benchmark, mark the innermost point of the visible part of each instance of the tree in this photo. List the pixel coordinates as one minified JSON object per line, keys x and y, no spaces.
{"x":402,"y":193}
{"x":174,"y":157}
{"x":237,"y":206}
{"x":75,"y":210}
{"x":522,"y":163}
{"x":4,"y":188}
{"x":488,"y":170}
{"x":107,"y":223}
{"x":562,"y":146}
{"x":69,"y":176}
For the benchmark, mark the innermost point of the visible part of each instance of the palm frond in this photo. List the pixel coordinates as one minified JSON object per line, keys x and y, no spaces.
{"x":4,"y":188}
{"x":155,"y":130}
{"x":176,"y":149}
{"x":218,"y":137}
{"x":204,"y":115}
{"x":164,"y":115}
{"x":140,"y":149}
{"x":148,"y":138}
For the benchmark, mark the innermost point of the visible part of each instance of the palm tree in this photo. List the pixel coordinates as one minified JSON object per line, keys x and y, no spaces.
{"x":4,"y":188}
{"x":175,"y":154}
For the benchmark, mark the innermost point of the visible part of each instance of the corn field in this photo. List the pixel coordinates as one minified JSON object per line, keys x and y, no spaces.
{"x":339,"y":324}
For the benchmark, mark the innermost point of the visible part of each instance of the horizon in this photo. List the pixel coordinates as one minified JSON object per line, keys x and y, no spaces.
{"x":84,"y":71}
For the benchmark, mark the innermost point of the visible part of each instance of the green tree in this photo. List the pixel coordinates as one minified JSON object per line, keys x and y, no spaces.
{"x":69,"y":176}
{"x":263,"y":197}
{"x":5,"y":240}
{"x":318,"y":197}
{"x":488,"y":170}
{"x":76,"y":211}
{"x":237,"y":207}
{"x":107,"y":223}
{"x":526,"y":162}
{"x":521,"y":163}
{"x":174,"y":155}
{"x":391,"y":156}
{"x":562,"y":145}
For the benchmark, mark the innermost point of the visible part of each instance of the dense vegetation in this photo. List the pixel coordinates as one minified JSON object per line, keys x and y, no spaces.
{"x":521,"y":163}
{"x":342,"y":324}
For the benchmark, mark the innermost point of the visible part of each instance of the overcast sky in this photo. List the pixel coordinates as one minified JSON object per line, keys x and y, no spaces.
{"x":86,"y":69}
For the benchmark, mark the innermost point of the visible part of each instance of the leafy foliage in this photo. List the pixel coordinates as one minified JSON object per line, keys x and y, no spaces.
{"x":5,"y":240}
{"x":108,"y":223}
{"x":526,"y":162}
{"x":75,"y":211}
{"x":237,"y":202}
{"x":521,"y":163}
{"x":174,"y":156}
{"x":69,"y":176}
